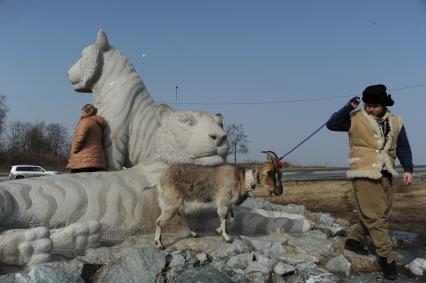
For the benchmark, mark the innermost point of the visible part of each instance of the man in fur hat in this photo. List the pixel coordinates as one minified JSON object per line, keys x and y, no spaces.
{"x":376,"y":138}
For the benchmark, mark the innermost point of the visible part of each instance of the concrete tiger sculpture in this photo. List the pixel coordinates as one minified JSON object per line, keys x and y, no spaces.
{"x":101,"y":205}
{"x":73,"y":212}
{"x":123,"y":100}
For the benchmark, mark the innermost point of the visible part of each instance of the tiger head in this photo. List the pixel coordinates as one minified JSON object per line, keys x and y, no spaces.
{"x":86,"y":71}
{"x":191,"y":137}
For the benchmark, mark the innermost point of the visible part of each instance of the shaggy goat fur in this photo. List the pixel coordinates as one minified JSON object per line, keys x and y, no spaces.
{"x":187,"y":188}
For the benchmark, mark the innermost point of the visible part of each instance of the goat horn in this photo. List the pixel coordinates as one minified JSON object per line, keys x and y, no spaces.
{"x":272,"y":156}
{"x":275,"y":155}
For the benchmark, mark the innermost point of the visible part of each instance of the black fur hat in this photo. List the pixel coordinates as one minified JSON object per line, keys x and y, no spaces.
{"x":376,"y":94}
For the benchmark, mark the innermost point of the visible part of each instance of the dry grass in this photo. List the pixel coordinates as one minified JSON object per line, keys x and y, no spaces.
{"x":359,"y":264}
{"x":335,"y":197}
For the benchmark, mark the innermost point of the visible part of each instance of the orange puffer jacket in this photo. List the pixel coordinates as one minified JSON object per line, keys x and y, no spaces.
{"x":86,"y":148}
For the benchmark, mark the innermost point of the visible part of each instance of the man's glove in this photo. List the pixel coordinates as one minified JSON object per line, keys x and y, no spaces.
{"x":354,"y":102}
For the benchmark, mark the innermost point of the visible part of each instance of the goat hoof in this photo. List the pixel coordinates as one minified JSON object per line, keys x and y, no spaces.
{"x":159,"y":245}
{"x":228,"y":240}
{"x":219,"y":231}
{"x":194,"y":235}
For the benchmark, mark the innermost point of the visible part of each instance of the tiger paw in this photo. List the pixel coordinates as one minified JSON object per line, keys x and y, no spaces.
{"x":77,"y":236}
{"x":22,"y":247}
{"x":37,"y":246}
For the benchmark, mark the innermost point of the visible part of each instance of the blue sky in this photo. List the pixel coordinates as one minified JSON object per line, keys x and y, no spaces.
{"x":224,"y":52}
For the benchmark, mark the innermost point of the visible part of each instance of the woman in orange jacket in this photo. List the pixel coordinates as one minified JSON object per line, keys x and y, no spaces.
{"x":87,"y":154}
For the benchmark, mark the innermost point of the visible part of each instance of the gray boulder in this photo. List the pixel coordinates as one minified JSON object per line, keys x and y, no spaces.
{"x":255,"y":267}
{"x":177,"y":260}
{"x":315,"y":275}
{"x":206,"y":274}
{"x":294,"y":259}
{"x":228,"y":250}
{"x":239,"y":261}
{"x":339,"y":264}
{"x":253,"y":202}
{"x":257,"y":277}
{"x":139,"y":265}
{"x":46,"y":274}
{"x":202,"y":258}
{"x":313,"y":242}
{"x":417,"y":266}
{"x":271,"y":248}
{"x":282,"y":268}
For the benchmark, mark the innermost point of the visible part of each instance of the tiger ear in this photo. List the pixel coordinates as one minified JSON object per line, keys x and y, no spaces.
{"x":164,"y":111}
{"x":102,"y":40}
{"x":219,"y":119}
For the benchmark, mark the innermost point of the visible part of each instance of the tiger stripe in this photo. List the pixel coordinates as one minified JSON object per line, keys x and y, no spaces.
{"x":102,"y":195}
{"x":82,"y":202}
{"x":52,"y":203}
{"x":25,"y":194}
{"x":128,"y":108}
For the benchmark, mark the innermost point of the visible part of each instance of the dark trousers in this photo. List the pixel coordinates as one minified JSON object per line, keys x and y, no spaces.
{"x":81,"y":170}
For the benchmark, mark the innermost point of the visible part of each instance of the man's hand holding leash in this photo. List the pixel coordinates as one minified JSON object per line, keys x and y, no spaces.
{"x":354,"y":102}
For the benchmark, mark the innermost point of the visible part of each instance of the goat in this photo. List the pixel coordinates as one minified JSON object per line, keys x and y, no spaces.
{"x":187,"y":188}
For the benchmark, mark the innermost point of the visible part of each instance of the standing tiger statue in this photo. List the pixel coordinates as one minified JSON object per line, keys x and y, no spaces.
{"x":62,"y":213}
{"x":131,"y":114}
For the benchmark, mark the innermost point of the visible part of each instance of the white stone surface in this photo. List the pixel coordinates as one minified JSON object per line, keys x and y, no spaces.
{"x":339,"y":264}
{"x":282,"y":269}
{"x":417,"y":266}
{"x":21,"y":246}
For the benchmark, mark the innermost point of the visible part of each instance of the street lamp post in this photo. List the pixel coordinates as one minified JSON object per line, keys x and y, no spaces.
{"x":143,"y":61}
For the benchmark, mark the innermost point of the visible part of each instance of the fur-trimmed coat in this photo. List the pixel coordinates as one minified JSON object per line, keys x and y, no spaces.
{"x":370,"y":151}
{"x":342,"y":121}
{"x":86,"y":148}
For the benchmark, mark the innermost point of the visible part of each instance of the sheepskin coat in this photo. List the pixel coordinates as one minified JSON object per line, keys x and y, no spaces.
{"x":86,"y":148}
{"x":370,"y":151}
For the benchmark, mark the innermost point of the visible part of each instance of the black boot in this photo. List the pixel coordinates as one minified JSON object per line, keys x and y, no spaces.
{"x":355,"y":246}
{"x":390,"y":271}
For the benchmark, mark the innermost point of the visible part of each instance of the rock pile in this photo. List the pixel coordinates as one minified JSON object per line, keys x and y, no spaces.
{"x":314,"y":256}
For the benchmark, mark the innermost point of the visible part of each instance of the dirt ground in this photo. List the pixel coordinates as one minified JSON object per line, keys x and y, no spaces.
{"x":408,"y":213}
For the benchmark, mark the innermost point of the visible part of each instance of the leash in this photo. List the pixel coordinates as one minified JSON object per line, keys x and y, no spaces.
{"x":303,"y":141}
{"x":355,"y":98}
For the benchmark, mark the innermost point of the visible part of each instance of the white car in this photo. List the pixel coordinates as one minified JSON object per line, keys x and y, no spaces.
{"x":28,"y":171}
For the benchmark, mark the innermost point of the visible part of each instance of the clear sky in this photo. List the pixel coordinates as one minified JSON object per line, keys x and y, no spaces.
{"x":225,"y":52}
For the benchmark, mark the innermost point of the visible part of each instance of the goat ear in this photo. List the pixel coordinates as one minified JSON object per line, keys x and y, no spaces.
{"x":102,"y":40}
{"x":163,"y":112}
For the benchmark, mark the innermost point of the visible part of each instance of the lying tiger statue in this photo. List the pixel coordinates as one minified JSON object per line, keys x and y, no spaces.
{"x":115,"y":204}
{"x":101,"y":205}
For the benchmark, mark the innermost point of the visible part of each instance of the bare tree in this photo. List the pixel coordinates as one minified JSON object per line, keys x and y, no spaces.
{"x":18,"y":136}
{"x":3,"y":115}
{"x":56,"y":135}
{"x":13,"y":135}
{"x":36,"y":143}
{"x":36,"y":138}
{"x":237,"y":140}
